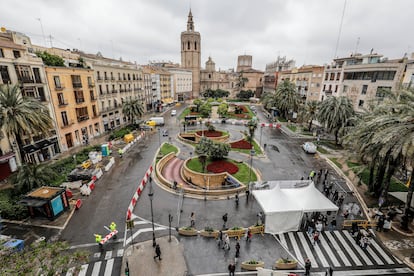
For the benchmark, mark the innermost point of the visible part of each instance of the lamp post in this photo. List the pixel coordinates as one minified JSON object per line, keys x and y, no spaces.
{"x":170,"y":218}
{"x":159,"y":137}
{"x":151,"y":196}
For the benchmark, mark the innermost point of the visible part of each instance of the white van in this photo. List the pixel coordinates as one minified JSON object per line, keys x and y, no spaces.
{"x":159,"y":121}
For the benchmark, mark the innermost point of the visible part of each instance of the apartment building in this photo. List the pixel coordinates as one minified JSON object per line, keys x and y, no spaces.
{"x":76,"y":105}
{"x":408,"y":79}
{"x":362,"y":78}
{"x":271,"y":74}
{"x":116,"y":82}
{"x":161,"y":86}
{"x":182,"y":83}
{"x":20,"y":66}
{"x":308,"y":80}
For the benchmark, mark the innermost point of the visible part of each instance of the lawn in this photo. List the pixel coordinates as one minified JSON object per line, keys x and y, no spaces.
{"x":335,"y":160}
{"x":292,"y":127}
{"x":322,"y":150}
{"x":167,"y":148}
{"x":184,"y":113}
{"x":242,"y":175}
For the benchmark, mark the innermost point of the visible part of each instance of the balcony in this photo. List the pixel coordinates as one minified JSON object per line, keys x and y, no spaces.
{"x":99,"y":78}
{"x":93,"y":98}
{"x":59,"y":88}
{"x":114,"y":91}
{"x":82,"y":118}
{"x":77,"y":85}
{"x":62,"y":103}
{"x":80,"y":100}
{"x":26,"y":80}
{"x":67,"y":124}
{"x":91,"y":85}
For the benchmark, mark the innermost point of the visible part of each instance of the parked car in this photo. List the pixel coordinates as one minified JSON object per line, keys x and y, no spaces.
{"x":165,"y":132}
{"x":309,"y":147}
{"x":173,"y":112}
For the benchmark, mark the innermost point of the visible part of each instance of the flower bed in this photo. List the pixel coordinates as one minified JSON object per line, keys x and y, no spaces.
{"x":243,"y":108}
{"x":241,"y":144}
{"x":194,"y":113}
{"x":207,"y":133}
{"x":222,"y":166}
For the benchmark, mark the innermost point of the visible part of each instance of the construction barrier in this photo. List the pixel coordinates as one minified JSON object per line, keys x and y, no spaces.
{"x":138,"y":192}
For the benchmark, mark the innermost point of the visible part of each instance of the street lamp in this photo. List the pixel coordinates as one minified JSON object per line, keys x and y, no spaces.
{"x":151,"y":196}
{"x":159,"y":137}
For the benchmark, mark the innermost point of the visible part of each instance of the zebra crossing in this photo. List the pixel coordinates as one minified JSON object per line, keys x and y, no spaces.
{"x":101,"y":263}
{"x":337,"y":249}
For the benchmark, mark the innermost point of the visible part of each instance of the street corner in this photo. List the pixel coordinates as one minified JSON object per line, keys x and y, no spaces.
{"x":140,"y":258}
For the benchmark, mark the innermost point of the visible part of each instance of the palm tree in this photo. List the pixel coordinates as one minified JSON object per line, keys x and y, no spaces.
{"x":309,"y":113}
{"x":22,"y":116}
{"x":32,"y":176}
{"x":286,"y":98}
{"x":335,"y":113}
{"x":133,"y":109}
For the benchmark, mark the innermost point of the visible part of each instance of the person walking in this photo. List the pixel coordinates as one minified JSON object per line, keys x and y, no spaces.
{"x":335,"y":196}
{"x":98,"y":239}
{"x":247,"y":195}
{"x":232,"y":269}
{"x":237,"y":199}
{"x":224,"y":220}
{"x":157,"y":252}
{"x":308,"y":266}
{"x":220,"y":238}
{"x":192,"y":219}
{"x":315,"y":237}
{"x":248,"y":236}
{"x":237,"y":249}
{"x":333,"y":224}
{"x":329,"y":271}
{"x":226,"y":242}
{"x":311,"y":226}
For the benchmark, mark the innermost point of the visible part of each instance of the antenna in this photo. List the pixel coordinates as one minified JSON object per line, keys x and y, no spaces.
{"x":340,"y":30}
{"x":356,"y":46}
{"x":43,"y":32}
{"x":51,"y":41}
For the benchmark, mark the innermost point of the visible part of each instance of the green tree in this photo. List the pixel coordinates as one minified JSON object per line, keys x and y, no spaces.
{"x":335,"y":113}
{"x":30,"y":176}
{"x":245,"y":94}
{"x":43,"y":258}
{"x":213,"y":150}
{"x":309,"y":113}
{"x":22,"y":116}
{"x":198,"y":103}
{"x":205,"y":110}
{"x":222,"y":110}
{"x":132,"y":109}
{"x":286,"y":98}
{"x":51,"y":60}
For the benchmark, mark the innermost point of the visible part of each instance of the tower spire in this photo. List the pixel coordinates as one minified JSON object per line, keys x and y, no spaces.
{"x":190,"y":23}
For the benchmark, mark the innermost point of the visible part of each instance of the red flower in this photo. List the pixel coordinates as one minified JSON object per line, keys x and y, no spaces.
{"x":241,"y":144}
{"x":207,"y":133}
{"x":222,"y":166}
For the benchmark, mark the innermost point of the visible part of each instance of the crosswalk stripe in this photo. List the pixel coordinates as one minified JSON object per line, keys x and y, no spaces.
{"x":96,"y":268}
{"x":108,"y":255}
{"x":295,"y":246}
{"x":120,"y":253}
{"x":398,"y":260}
{"x":338,"y":249}
{"x":319,"y":253}
{"x":140,"y":222}
{"x":382,"y":252}
{"x":282,"y":240}
{"x":347,"y":248}
{"x":376,"y":258}
{"x":383,"y":271}
{"x":308,"y":251}
{"x":97,"y":255}
{"x":358,"y":249}
{"x":83,"y":270}
{"x":331,"y":255}
{"x":108,"y":267}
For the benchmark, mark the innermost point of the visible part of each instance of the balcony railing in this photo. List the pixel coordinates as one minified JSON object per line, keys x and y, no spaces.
{"x":91,"y":85}
{"x":59,"y":88}
{"x":114,"y":91}
{"x":83,"y":118}
{"x":93,"y":98}
{"x":62,"y":103}
{"x":77,"y":85}
{"x":99,"y":78}
{"x":67,"y":124}
{"x":80,"y":100}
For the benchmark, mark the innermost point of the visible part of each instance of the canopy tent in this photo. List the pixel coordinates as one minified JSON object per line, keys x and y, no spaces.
{"x":402,"y":196}
{"x":285,"y":204}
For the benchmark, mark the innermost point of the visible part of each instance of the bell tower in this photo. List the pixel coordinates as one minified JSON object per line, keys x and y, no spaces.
{"x":191,"y":53}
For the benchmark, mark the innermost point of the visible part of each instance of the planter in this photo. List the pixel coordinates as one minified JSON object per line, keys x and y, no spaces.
{"x":187,"y":232}
{"x":289,"y":265}
{"x":247,"y":266}
{"x":209,"y":234}
{"x":235,"y":233}
{"x":257,"y":229}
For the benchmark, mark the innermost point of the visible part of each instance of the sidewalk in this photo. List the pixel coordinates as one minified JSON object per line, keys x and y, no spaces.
{"x":140,"y":258}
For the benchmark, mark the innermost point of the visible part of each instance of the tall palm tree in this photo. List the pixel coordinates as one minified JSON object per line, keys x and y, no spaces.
{"x":310,"y":112}
{"x":335,"y":113}
{"x":22,"y":116}
{"x":286,"y":97}
{"x":132,"y":109}
{"x":32,"y":176}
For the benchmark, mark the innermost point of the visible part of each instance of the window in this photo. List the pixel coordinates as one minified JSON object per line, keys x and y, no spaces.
{"x":324,"y":87}
{"x":92,"y":95}
{"x":332,"y":76}
{"x":105,"y":76}
{"x":112,"y":76}
{"x":4,"y":73}
{"x":188,"y":45}
{"x":336,"y":88}
{"x":94,"y":112}
{"x":82,"y":114}
{"x":79,"y":96}
{"x":56,"y":80}
{"x":382,"y":90}
{"x":326,"y":76}
{"x":100,"y":90}
{"x":90,"y":83}
{"x":338,"y":76}
{"x":36,"y":73}
{"x":61,"y":99}
{"x":361,"y":103}
{"x":195,"y":45}
{"x":41,"y":93}
{"x":64,"y":116}
{"x":1,"y":53}
{"x":364,"y":89}
{"x":16,"y":54}
{"x":345,"y":88}
{"x":76,"y":81}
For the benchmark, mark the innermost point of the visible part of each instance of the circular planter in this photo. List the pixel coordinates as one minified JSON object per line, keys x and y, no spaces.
{"x":187,"y":232}
{"x":290,"y":265}
{"x":247,"y":266}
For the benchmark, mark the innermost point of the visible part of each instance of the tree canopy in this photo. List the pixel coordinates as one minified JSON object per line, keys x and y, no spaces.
{"x":50,"y":59}
{"x":214,"y":150}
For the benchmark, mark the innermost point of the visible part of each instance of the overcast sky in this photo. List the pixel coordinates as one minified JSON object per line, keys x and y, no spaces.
{"x":146,"y":30}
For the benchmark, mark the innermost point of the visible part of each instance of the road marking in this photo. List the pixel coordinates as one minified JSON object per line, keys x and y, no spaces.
{"x":92,"y":244}
{"x":97,"y":255}
{"x":376,"y":258}
{"x":96,"y":268}
{"x":295,"y":246}
{"x":308,"y":251}
{"x":329,"y":251}
{"x":338,"y":249}
{"x":319,"y":252}
{"x":108,"y":267}
{"x":358,"y":249}
{"x":120,"y":253}
{"x":384,"y":271}
{"x":282,"y":240}
{"x":348,"y":249}
{"x":143,"y":230}
{"x":108,"y":255}
{"x":382,"y":252}
{"x":83,"y":270}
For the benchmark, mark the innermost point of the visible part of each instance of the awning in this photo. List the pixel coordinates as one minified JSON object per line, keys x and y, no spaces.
{"x":402,"y":196}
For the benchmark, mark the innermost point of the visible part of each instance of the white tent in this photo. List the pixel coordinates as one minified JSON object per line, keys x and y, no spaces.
{"x":402,"y":196}
{"x":284,"y":206}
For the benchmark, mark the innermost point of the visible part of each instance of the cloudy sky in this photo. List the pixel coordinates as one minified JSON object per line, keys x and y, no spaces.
{"x":147,"y":30}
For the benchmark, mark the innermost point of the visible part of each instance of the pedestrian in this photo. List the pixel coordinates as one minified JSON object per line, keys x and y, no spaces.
{"x":224,"y":220}
{"x":260,"y":218}
{"x":380,"y":224}
{"x":157,"y":252}
{"x":220,"y":238}
{"x":98,"y":239}
{"x":326,"y":174}
{"x":315,"y":237}
{"x":341,"y":200}
{"x":325,"y":221}
{"x":319,"y":227}
{"x":226,"y":242}
{"x":264,"y":146}
{"x":333,"y":224}
{"x":237,"y":199}
{"x":329,"y":271}
{"x":335,"y":196}
{"x":120,"y":152}
{"x":308,"y":266}
{"x":346,"y":214}
{"x":247,"y":195}
{"x":366,"y":242}
{"x":237,"y":249}
{"x":311,"y":226}
{"x":192,"y":219}
{"x":248,"y":236}
{"x":311,"y":175}
{"x":232,"y":269}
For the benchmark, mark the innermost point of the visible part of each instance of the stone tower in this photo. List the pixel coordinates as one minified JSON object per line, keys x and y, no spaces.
{"x":191,"y":53}
{"x":244,"y":63}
